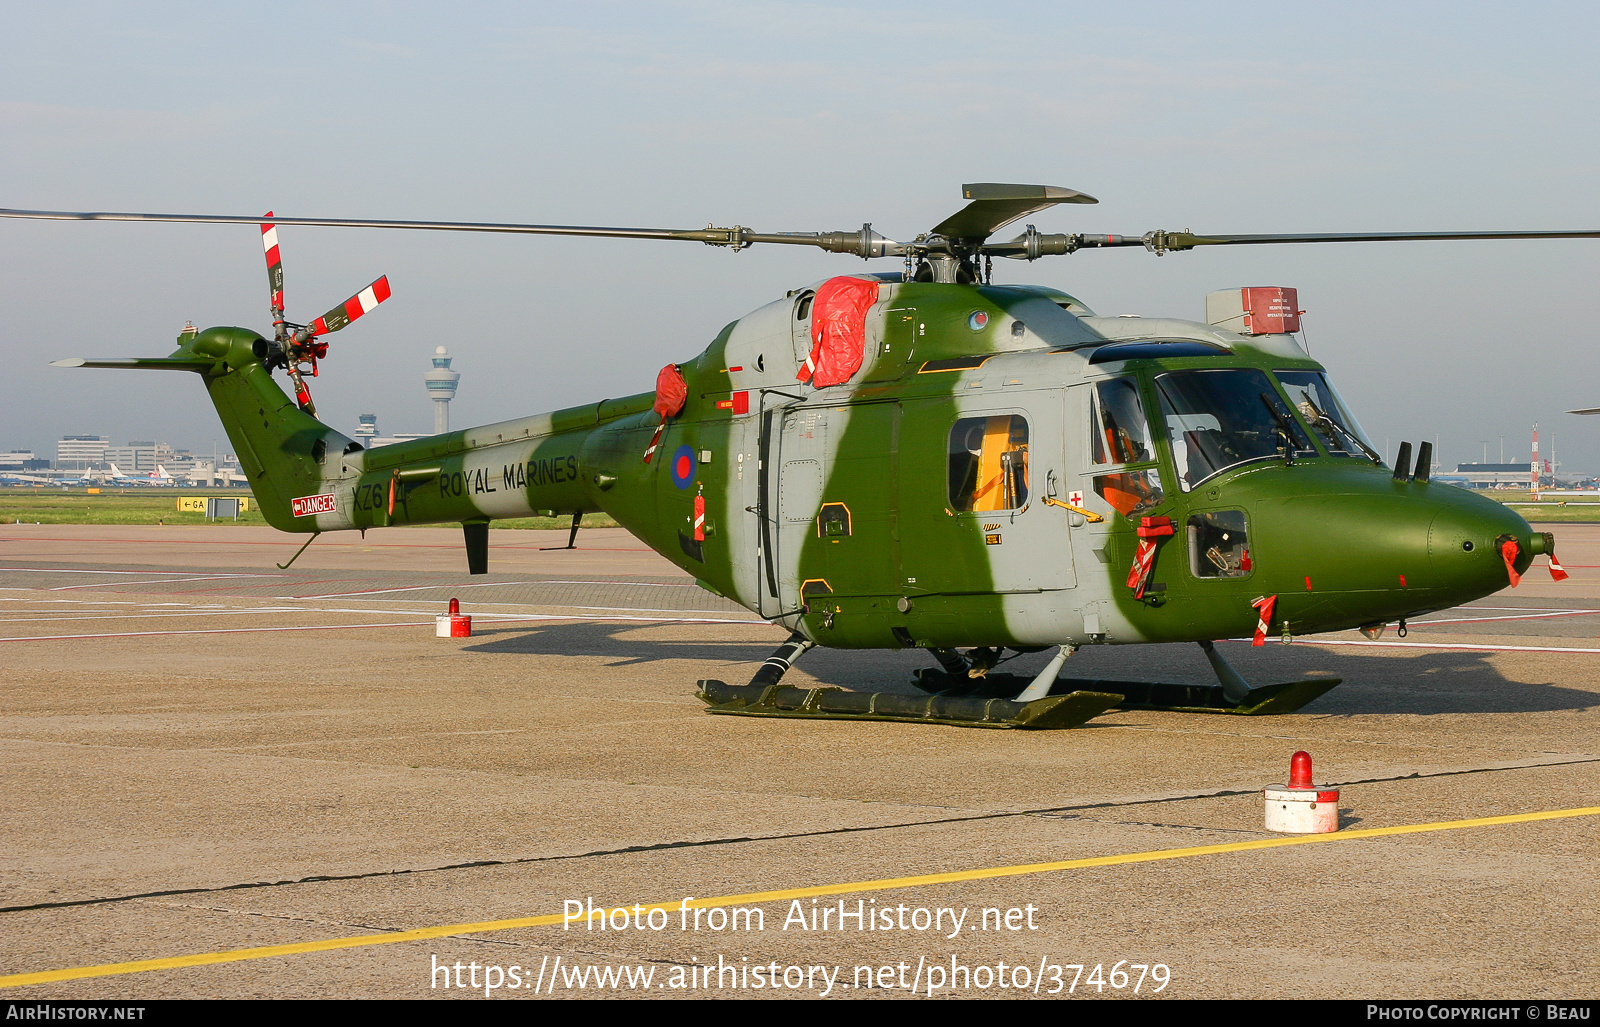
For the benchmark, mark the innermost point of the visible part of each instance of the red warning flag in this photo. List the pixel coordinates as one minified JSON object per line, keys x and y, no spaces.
{"x":838,"y":330}
{"x":671,"y":393}
{"x":655,"y":441}
{"x":1150,"y":530}
{"x":1263,"y":607}
{"x":1556,"y":570}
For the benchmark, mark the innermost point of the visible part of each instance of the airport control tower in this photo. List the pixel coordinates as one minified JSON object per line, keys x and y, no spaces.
{"x":441,"y":382}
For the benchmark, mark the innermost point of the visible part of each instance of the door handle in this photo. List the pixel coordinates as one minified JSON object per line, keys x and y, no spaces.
{"x":1088,"y":515}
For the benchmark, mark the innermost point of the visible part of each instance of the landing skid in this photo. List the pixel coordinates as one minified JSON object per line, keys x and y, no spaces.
{"x":998,"y":700}
{"x":832,"y":703}
{"x":1141,"y":695}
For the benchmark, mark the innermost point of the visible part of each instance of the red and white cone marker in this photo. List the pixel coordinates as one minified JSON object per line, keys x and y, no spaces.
{"x":454,"y":624}
{"x":1300,"y":807}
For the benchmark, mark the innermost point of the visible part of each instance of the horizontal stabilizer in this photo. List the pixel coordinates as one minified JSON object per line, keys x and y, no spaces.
{"x":196,"y":364}
{"x":995,"y":206}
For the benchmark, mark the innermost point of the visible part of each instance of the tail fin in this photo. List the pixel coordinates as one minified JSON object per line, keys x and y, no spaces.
{"x":280,"y":447}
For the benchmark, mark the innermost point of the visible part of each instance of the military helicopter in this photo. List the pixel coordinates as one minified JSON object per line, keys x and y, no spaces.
{"x":926,"y":459}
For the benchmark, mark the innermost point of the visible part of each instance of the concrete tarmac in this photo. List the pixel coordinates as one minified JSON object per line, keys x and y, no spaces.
{"x":204,"y":753}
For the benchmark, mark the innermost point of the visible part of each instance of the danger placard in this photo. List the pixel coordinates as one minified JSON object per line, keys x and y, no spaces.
{"x":305,"y":506}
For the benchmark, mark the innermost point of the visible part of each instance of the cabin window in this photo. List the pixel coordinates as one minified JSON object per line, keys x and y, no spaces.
{"x":1219,"y":545}
{"x":989,"y":463}
{"x":1314,"y":397}
{"x":1220,"y":419}
{"x":1118,"y":432}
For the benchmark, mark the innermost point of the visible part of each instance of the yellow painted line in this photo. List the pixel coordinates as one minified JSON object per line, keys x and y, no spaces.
{"x":922,"y":880}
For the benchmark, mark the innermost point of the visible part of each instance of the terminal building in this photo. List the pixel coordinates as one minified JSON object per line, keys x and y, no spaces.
{"x":1496,"y":476}
{"x":19,"y":460}
{"x":141,"y":457}
{"x":81,"y":452}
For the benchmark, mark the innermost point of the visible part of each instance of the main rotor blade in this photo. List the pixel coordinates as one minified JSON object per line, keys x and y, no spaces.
{"x":1032,"y":245}
{"x":988,"y":211}
{"x":995,"y":205}
{"x":863,"y":243}
{"x":1159,"y":241}
{"x":351,"y":309}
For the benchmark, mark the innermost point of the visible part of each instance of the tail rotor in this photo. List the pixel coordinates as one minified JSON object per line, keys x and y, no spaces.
{"x":295,"y":347}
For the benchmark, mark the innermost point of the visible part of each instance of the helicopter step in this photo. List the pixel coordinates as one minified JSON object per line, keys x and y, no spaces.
{"x":830,"y":702}
{"x":1138,"y":695}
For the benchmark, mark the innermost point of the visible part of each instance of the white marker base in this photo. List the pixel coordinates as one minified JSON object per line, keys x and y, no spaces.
{"x":1301,"y":810}
{"x":456,"y":626}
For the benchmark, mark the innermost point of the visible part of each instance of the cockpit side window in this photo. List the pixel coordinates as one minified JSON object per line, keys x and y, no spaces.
{"x":1118,"y":432}
{"x":989,"y":463}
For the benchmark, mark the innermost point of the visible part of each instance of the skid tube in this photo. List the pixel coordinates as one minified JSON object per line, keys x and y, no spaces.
{"x":1232,"y":694}
{"x":1147,"y":695}
{"x":765,"y":696}
{"x":830,"y":702}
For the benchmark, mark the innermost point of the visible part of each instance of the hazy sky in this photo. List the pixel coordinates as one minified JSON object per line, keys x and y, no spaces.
{"x":788,"y":117}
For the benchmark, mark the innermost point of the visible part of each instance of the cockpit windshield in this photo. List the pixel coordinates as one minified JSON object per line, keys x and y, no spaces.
{"x":1313,"y":396}
{"x":1219,"y":419}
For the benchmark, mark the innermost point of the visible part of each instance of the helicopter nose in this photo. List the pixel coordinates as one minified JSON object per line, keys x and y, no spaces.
{"x":1381,"y":551}
{"x":1466,"y":540}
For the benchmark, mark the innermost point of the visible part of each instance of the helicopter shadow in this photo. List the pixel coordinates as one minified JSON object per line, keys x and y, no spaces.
{"x":876,"y":670}
{"x":1448,"y":682}
{"x":613,"y":643}
{"x":1440,"y":683}
{"x":1443,"y":682}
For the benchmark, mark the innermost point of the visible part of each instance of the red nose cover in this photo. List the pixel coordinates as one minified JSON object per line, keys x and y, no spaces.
{"x":838,"y":330}
{"x":671,"y":391}
{"x":1509,"y":551}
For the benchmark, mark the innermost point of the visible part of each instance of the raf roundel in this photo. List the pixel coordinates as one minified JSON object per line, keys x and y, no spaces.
{"x":683,"y":467}
{"x":978,"y":320}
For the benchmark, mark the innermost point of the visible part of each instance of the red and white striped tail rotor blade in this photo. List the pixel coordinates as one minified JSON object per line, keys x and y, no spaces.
{"x":352,"y":308}
{"x":269,"y":242}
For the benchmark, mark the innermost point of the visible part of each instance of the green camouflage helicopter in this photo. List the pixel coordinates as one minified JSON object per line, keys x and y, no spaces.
{"x":924,"y":459}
